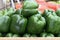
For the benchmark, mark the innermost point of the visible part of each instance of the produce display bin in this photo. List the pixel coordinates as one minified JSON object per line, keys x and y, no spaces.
{"x":29,"y":20}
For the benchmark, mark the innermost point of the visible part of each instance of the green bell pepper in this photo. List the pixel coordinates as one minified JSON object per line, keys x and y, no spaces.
{"x":26,"y":35}
{"x":58,"y":35}
{"x":46,"y":35}
{"x":1,"y":13}
{"x":52,"y":22}
{"x":30,"y":5}
{"x":18,"y":11}
{"x":33,"y":35}
{"x":58,"y":12}
{"x":12,"y":35}
{"x":9,"y":11}
{"x":46,"y":13}
{"x":1,"y":35}
{"x":4,"y":23}
{"x":18,"y":24}
{"x":9,"y":35}
{"x":36,"y":24}
{"x":29,"y":12}
{"x":29,"y":35}
{"x":58,"y":2}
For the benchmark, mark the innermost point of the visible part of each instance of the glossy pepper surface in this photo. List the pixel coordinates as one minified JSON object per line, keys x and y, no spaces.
{"x":12,"y":35}
{"x":46,"y":35}
{"x":30,"y":5}
{"x":36,"y":24}
{"x":18,"y":24}
{"x":52,"y":22}
{"x":4,"y":23}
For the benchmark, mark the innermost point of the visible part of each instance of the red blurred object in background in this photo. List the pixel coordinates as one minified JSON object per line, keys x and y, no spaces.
{"x":40,"y":0}
{"x":46,"y":5}
{"x":58,"y":6}
{"x":42,"y":8}
{"x":42,"y":5}
{"x":18,"y":5}
{"x":52,"y":5}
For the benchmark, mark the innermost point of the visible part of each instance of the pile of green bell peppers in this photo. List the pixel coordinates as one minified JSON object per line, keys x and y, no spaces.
{"x":29,"y":22}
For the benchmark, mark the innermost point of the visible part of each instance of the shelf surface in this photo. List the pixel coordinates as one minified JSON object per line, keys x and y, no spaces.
{"x":29,"y":38}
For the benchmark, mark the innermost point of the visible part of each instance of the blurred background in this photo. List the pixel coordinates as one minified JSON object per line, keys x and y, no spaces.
{"x":12,"y":3}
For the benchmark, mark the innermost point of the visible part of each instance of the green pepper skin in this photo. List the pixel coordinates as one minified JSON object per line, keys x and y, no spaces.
{"x":33,"y":35}
{"x":4,"y":23}
{"x":18,"y":11}
{"x":46,"y":35}
{"x":29,"y":35}
{"x":1,"y":35}
{"x":52,"y":22}
{"x":29,"y":12}
{"x":1,"y":13}
{"x":9,"y":35}
{"x":58,"y":12}
{"x":30,"y":5}
{"x":58,"y":2}
{"x":16,"y":35}
{"x":48,"y":12}
{"x":18,"y":24}
{"x":58,"y":35}
{"x":9,"y":11}
{"x":12,"y":35}
{"x":26,"y":35}
{"x":36,"y":24}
